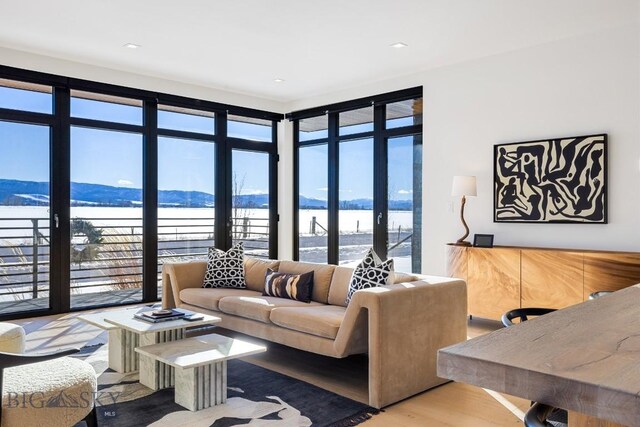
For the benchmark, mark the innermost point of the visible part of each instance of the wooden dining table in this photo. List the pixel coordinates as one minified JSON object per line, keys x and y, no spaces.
{"x":584,"y":358}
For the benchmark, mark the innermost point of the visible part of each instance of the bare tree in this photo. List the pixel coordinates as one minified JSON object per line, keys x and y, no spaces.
{"x":240,"y":210}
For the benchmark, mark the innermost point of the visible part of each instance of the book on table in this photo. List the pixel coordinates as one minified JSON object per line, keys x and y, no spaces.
{"x":155,"y":316}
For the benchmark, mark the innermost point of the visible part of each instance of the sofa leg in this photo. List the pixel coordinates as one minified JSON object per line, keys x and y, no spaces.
{"x":91,"y":420}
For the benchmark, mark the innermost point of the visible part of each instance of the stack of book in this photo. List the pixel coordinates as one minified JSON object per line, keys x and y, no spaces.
{"x":155,"y":316}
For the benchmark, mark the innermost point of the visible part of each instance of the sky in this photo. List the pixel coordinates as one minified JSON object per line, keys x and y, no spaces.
{"x":115,"y":158}
{"x":356,"y":169}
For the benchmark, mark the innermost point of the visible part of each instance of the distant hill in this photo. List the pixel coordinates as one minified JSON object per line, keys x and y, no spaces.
{"x":307,"y":203}
{"x":31,"y":193}
{"x":355,"y":204}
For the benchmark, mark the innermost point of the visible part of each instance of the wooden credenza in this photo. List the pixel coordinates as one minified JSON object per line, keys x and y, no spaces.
{"x":502,"y":278}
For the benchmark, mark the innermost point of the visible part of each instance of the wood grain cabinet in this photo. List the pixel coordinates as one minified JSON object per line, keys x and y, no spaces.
{"x":503,"y":278}
{"x":493,"y":281}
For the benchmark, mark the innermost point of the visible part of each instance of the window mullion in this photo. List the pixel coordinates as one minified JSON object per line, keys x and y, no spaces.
{"x":150,"y":203}
{"x":333,"y":190}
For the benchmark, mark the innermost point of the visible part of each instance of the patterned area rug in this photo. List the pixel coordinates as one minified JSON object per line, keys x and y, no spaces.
{"x":256,"y":397}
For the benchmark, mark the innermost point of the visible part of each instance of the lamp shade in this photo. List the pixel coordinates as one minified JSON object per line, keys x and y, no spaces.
{"x":464,"y":186}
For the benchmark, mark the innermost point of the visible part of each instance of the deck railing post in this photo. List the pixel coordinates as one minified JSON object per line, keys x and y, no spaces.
{"x":245,"y":227}
{"x":34,"y":256}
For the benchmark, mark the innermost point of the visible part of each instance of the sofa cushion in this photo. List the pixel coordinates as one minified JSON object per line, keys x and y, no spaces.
{"x":225,"y":269}
{"x":255,"y":270}
{"x":322,"y":274}
{"x":292,"y":286}
{"x":257,"y":307}
{"x":403,"y":277}
{"x":340,"y":286}
{"x":323,"y":321}
{"x":209,"y":298}
{"x":342,"y":277}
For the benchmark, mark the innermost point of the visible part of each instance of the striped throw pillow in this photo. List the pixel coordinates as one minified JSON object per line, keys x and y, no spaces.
{"x":292,"y":286}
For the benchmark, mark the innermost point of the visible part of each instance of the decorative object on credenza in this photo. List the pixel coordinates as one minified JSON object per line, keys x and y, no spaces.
{"x":463,"y":186}
{"x":483,"y":240}
{"x":562,"y":180}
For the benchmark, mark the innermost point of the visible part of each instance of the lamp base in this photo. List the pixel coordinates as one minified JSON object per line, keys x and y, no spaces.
{"x":462,"y":243}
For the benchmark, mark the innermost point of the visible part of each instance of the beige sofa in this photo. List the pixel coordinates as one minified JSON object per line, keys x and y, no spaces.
{"x":400,"y":326}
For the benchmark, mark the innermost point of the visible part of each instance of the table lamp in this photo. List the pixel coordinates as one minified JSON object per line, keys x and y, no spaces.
{"x":464,"y":186}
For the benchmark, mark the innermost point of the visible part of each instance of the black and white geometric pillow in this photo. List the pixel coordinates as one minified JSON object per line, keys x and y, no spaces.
{"x":371,"y":272}
{"x":225,"y":269}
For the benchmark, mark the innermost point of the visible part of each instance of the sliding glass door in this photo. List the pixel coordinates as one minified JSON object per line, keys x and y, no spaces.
{"x":25,"y":235}
{"x":106,"y":217}
{"x":186,"y":185}
{"x":251,"y":202}
{"x":312,"y":200}
{"x":404,"y":207}
{"x":100,"y":185}
{"x":367,"y":160}
{"x":186,"y":201}
{"x":356,"y":215}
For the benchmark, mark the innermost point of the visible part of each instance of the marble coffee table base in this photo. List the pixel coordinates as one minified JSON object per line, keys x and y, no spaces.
{"x":154,"y":374}
{"x":122,"y":355}
{"x":124,"y":359}
{"x":201,"y":387}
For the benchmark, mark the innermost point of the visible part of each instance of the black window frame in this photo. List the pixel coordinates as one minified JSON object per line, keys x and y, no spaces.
{"x":380,"y":135}
{"x":60,"y":122}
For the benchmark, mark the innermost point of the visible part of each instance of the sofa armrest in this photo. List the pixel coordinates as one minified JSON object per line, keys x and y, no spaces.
{"x":179,"y":276}
{"x":407,"y":324}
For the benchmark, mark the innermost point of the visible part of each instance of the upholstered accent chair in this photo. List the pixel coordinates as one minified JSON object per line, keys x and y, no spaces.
{"x":43,"y":389}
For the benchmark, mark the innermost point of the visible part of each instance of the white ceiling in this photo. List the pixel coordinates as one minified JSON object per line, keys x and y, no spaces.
{"x":316,"y":46}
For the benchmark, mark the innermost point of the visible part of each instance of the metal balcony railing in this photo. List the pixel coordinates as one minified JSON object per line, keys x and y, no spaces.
{"x":107,"y":254}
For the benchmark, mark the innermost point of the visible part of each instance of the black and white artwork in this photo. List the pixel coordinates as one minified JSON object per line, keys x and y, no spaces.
{"x":560,"y":180}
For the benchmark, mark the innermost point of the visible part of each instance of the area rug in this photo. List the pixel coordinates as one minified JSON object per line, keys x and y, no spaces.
{"x":255,"y":397}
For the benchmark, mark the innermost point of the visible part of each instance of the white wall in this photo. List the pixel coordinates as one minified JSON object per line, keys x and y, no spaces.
{"x":589,"y":84}
{"x":47,"y":64}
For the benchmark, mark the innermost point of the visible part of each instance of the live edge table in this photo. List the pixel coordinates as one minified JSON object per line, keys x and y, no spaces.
{"x":584,"y":358}
{"x":126,"y":333}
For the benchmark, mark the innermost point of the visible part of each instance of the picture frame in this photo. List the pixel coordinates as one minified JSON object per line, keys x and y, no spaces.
{"x":483,"y":240}
{"x":554,"y":180}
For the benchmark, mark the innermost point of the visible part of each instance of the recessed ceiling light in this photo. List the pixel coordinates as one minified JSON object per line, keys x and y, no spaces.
{"x":278,"y":80}
{"x":399,"y":45}
{"x":131,"y":46}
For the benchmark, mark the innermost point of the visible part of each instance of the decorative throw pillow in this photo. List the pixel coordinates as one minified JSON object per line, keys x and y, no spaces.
{"x":371,"y":272}
{"x":292,"y":286}
{"x":225,"y":269}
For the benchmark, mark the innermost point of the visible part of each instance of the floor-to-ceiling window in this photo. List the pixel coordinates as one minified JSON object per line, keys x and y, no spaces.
{"x":25,"y":183}
{"x":254,"y":197}
{"x":100,"y":185}
{"x":186,"y":185}
{"x":106,"y":200}
{"x":358,"y":185}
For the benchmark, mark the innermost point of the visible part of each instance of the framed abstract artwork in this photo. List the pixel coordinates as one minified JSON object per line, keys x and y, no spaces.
{"x":560,"y":180}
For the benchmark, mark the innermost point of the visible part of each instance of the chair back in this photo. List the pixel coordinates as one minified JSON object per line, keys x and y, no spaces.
{"x":537,"y":415}
{"x":523,"y":314}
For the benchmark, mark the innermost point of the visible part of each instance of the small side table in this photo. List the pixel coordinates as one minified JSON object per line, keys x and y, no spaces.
{"x":200,"y":365}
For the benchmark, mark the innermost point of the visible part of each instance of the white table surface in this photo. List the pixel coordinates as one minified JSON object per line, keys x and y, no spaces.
{"x":124,"y":319}
{"x":97,"y":319}
{"x":200,"y":351}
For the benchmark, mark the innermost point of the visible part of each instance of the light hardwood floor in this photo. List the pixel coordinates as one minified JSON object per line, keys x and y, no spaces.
{"x":451,"y":404}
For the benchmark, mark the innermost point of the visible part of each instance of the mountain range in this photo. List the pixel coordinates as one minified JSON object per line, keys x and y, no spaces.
{"x":31,"y":193}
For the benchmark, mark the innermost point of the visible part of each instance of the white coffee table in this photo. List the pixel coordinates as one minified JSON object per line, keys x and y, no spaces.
{"x":200,"y":366}
{"x":126,"y":333}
